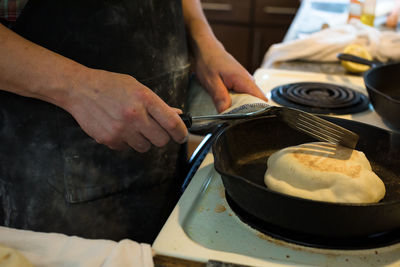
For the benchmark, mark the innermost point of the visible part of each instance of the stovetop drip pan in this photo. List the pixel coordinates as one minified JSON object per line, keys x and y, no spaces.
{"x":304,"y":239}
{"x":320,"y":98}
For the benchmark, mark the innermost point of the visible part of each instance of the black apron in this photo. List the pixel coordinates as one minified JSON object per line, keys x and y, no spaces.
{"x":55,"y":178}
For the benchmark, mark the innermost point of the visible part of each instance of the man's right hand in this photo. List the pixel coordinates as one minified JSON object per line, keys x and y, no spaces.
{"x":119,"y":112}
{"x":115,"y":109}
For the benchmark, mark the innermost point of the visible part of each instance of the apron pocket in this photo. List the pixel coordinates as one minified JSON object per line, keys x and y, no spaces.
{"x":93,"y":171}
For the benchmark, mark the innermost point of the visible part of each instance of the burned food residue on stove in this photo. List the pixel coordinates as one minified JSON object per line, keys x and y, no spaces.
{"x":219,"y":208}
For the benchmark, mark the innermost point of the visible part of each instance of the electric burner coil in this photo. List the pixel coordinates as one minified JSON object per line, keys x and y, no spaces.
{"x":320,"y":98}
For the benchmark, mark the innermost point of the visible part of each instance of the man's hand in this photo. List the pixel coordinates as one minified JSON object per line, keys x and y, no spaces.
{"x":114,"y":109}
{"x":219,"y":72}
{"x":118,"y":111}
{"x":215,"y":68}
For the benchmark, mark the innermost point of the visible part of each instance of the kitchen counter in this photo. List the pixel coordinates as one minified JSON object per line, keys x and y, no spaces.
{"x":314,"y":15}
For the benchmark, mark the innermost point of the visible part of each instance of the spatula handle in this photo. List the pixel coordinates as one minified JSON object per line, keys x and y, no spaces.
{"x":187,"y":119}
{"x":359,"y":60}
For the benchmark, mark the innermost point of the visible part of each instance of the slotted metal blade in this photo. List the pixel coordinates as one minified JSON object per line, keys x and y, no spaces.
{"x":319,"y":128}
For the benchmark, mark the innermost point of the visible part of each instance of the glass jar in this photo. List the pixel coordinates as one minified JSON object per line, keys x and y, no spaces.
{"x":368,"y":12}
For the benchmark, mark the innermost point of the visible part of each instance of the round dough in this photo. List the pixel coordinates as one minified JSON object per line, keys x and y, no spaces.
{"x":11,"y":258}
{"x":324,"y":172}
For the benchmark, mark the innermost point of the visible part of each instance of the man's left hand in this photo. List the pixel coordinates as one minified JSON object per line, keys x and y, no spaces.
{"x":219,"y":72}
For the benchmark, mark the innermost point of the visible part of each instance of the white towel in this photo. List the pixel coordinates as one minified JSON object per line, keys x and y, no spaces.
{"x":324,"y":45}
{"x":51,"y":249}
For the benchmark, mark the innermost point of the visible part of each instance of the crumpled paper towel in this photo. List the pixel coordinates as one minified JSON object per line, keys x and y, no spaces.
{"x":324,"y":45}
{"x":51,"y":249}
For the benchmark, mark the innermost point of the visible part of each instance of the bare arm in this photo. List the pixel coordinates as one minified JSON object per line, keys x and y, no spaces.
{"x":30,"y":70}
{"x":216,"y":69}
{"x":115,"y":109}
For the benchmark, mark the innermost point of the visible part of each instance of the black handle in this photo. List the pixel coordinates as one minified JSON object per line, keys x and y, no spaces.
{"x":187,"y":119}
{"x":359,"y":60}
{"x":200,"y":153}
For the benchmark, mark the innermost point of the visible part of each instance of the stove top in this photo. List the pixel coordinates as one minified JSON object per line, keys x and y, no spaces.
{"x":320,"y":98}
{"x":269,"y":79}
{"x":203,"y":226}
{"x":364,"y":242}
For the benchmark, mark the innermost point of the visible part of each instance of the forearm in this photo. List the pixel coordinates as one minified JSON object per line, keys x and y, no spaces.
{"x":200,"y":33}
{"x":215,"y":68}
{"x":115,"y":109}
{"x":33,"y":71}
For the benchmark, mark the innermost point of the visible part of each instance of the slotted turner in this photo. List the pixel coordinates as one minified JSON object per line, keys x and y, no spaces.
{"x":307,"y":123}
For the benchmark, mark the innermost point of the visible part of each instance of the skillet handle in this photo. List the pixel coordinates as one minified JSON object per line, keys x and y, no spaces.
{"x":359,"y":60}
{"x":187,"y":119}
{"x":200,"y":153}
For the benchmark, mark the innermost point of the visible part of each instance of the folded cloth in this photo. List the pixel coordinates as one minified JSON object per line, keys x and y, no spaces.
{"x":50,"y":249}
{"x":203,"y":105}
{"x":200,"y":102}
{"x":242,"y":99}
{"x":326,"y":44}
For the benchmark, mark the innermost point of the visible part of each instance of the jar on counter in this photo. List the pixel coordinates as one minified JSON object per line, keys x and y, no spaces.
{"x":355,"y":9}
{"x":368,"y":12}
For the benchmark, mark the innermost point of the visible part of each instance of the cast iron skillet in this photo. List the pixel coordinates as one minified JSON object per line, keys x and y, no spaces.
{"x":241,"y":152}
{"x":383,"y":85}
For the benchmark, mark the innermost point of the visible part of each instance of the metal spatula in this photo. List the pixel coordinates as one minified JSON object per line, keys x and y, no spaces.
{"x":307,"y":123}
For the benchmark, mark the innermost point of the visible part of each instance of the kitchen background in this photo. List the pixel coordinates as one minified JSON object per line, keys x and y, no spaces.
{"x":247,"y":28}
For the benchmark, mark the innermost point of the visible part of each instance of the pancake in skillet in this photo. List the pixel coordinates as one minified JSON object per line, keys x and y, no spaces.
{"x":324,"y":172}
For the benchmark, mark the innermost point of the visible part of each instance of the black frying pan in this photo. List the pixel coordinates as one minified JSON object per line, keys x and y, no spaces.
{"x":383,"y":85}
{"x":241,"y":152}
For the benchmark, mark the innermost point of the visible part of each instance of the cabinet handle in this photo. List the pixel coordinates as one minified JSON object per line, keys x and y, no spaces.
{"x":279,"y":10}
{"x":216,"y":6}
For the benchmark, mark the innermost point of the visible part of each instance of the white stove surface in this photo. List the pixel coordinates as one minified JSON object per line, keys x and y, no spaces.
{"x":202,"y":226}
{"x":267,"y":79}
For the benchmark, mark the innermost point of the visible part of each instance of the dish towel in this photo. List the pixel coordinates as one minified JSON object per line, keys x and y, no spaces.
{"x":201,"y":103}
{"x":324,"y":45}
{"x":51,"y":249}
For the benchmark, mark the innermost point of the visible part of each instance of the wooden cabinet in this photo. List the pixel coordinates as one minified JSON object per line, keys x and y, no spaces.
{"x":235,"y":11}
{"x":236,"y":39}
{"x":247,"y":28}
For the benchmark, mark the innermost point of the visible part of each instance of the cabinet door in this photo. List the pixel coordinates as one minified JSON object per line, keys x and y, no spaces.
{"x":236,"y":11}
{"x":235,"y":40}
{"x":263,"y":39}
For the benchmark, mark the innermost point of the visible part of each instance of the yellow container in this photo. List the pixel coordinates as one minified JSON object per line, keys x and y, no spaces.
{"x":368,"y":12}
{"x":368,"y":19}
